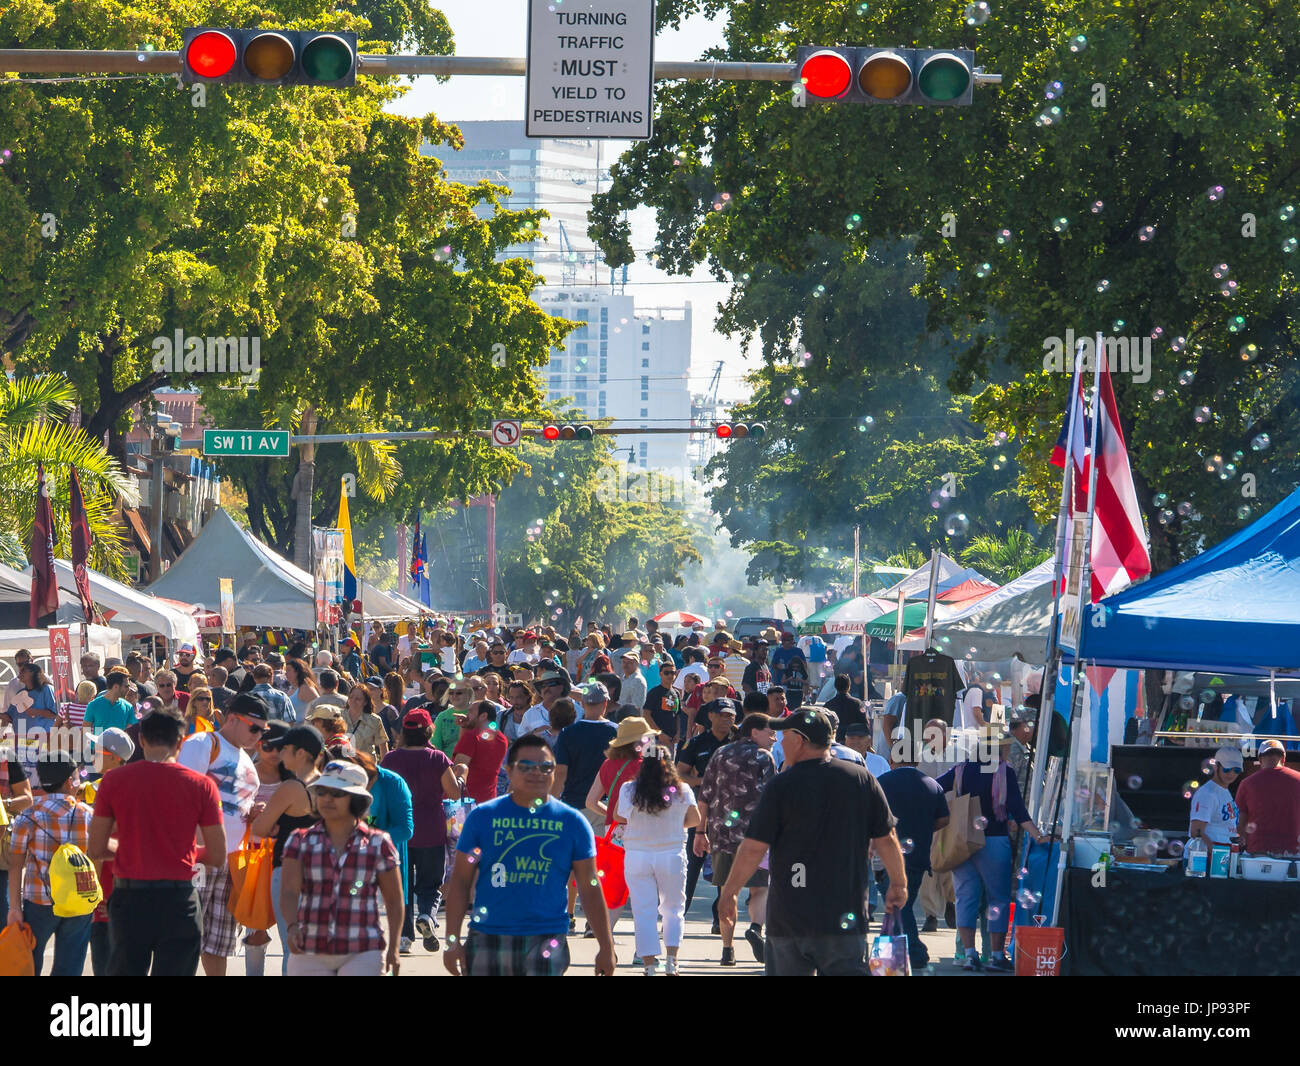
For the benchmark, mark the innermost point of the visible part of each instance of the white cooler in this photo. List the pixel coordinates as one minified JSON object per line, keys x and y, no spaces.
{"x":1267,"y":868}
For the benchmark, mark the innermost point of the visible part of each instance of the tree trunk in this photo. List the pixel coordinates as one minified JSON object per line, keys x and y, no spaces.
{"x":302,"y":492}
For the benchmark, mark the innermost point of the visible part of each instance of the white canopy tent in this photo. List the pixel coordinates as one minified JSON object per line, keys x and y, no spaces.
{"x":383,"y":606}
{"x":125,"y":608}
{"x":269,"y":590}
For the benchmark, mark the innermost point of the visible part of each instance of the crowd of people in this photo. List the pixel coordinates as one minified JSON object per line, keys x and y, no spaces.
{"x":450,"y":788}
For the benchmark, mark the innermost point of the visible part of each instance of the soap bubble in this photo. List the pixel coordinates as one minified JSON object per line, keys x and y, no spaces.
{"x":1060,"y":225}
{"x":1103,"y":285}
{"x":1186,"y":377}
{"x":1178,"y":344}
{"x":1053,"y":90}
{"x":1260,"y":443}
{"x":1207,"y":765}
{"x":1157,"y":332}
{"x":1186,"y":703}
{"x":1248,"y":353}
{"x":1184,"y":509}
{"x":1190,"y":787}
{"x":1220,"y":271}
{"x":1214,"y":194}
{"x":1134,"y":782}
{"x":1117,"y":325}
{"x":1243,"y":512}
{"x":847,"y":921}
{"x":1078,"y":43}
{"x":1160,"y":499}
{"x":1214,"y":464}
{"x":1287,"y":213}
{"x":907,"y":845}
{"x":980,"y":822}
{"x":1158,"y":395}
{"x":853,"y":222}
{"x":1176,"y":849}
{"x":1251,"y":827}
{"x":1236,"y":324}
{"x":863,"y":8}
{"x":1290,"y":245}
{"x":1004,"y":236}
{"x":956,"y":525}
{"x":976,"y":14}
{"x":983,"y":270}
{"x":1228,"y":288}
{"x":1146,"y":233}
{"x":1096,"y":207}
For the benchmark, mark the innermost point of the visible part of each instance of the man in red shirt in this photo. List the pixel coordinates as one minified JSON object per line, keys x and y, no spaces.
{"x":153,"y":808}
{"x":1268,"y":803}
{"x":481,"y":750}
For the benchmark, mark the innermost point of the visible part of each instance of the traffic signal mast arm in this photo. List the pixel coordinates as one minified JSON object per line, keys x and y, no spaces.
{"x":538,"y":432}
{"x":84,"y":61}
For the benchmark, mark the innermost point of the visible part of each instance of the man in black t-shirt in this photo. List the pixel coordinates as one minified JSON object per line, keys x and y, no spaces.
{"x":817,"y":818}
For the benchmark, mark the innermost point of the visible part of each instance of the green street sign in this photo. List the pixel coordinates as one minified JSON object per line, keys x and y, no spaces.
{"x":268,"y":443}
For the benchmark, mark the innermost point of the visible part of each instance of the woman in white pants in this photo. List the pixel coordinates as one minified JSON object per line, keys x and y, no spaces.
{"x":658,"y":809}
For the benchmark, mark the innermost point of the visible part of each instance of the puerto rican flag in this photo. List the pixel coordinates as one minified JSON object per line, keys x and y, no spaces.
{"x":1119,"y":541}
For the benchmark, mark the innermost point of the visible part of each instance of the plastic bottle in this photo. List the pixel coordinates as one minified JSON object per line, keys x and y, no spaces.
{"x":1234,"y":857}
{"x":1197,"y":857}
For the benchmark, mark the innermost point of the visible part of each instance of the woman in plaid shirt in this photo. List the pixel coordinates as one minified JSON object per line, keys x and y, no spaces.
{"x":332,"y":875}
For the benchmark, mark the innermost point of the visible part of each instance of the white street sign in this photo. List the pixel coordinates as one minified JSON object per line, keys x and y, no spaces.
{"x":505,"y":433}
{"x":590,"y":68}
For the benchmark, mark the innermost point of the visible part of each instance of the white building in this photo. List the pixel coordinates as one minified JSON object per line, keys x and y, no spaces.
{"x":620,"y":363}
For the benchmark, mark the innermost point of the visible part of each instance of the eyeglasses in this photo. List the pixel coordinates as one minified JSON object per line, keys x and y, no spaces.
{"x":166,"y":684}
{"x":527,"y":766}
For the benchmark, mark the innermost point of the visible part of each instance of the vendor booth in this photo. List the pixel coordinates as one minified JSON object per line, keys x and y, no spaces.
{"x":1128,"y":905}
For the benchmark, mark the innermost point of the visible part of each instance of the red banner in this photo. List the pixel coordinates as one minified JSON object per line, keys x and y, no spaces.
{"x":45,"y":586}
{"x":80,"y":545}
{"x":61,"y":664}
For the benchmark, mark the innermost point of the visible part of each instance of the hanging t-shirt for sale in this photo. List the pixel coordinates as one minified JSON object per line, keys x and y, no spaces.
{"x":1214,"y":805}
{"x":525,"y":858}
{"x":931,"y":683}
{"x":234,"y":774}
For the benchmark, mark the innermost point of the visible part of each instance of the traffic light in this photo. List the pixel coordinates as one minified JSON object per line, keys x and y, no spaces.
{"x":581,"y":431}
{"x":736,"y":430}
{"x":228,"y":56}
{"x":933,"y":77}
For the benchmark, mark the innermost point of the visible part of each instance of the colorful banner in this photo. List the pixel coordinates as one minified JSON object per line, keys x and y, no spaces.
{"x":61,"y":664}
{"x":327,"y":573}
{"x":227,"y":605}
{"x":349,"y":562}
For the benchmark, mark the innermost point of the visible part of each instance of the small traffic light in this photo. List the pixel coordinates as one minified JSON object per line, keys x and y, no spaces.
{"x":581,"y":431}
{"x":269,"y":57}
{"x":736,"y":430}
{"x":931,"y":77}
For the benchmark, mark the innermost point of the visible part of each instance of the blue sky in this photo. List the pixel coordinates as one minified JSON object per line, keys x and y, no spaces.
{"x":481,"y":30}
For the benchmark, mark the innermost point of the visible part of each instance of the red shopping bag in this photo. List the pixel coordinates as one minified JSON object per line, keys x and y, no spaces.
{"x":609,"y":868}
{"x":1039,"y":950}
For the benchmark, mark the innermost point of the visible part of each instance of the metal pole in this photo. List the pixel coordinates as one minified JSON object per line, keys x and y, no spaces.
{"x":1080,"y":669}
{"x":155,"y":557}
{"x":89,"y":61}
{"x":935,"y":556}
{"x":485,"y":434}
{"x":1052,"y":663}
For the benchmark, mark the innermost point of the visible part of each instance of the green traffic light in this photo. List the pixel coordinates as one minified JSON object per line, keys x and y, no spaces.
{"x":326,"y":59}
{"x":944,"y":77}
{"x":757,"y":429}
{"x":584,"y":433}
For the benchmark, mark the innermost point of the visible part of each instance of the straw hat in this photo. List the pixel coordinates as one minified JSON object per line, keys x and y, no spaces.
{"x":630,"y":730}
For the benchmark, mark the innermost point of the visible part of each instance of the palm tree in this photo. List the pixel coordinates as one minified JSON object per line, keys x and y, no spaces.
{"x":33,"y":430}
{"x":1004,"y":560}
{"x":378,"y":471}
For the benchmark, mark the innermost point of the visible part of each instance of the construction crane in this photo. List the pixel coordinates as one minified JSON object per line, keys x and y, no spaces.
{"x":706,"y":411}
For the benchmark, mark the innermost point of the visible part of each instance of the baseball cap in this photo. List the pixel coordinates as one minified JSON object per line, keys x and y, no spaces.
{"x":186,"y":647}
{"x":630,"y":653}
{"x":377,"y":681}
{"x":1230,"y":758}
{"x":249,"y":705}
{"x":275,"y":732}
{"x":55,"y":770}
{"x":116,"y":741}
{"x":306,"y":737}
{"x":345,"y":776}
{"x":596,"y":692}
{"x":722,"y":706}
{"x":857,"y":729}
{"x":418,"y":718}
{"x":1271,"y":745}
{"x":811,"y":723}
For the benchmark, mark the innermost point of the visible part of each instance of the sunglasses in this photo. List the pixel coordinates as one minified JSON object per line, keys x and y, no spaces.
{"x":332,"y":793}
{"x":253,"y":727}
{"x":200,"y":699}
{"x":459,"y":692}
{"x":527,"y":766}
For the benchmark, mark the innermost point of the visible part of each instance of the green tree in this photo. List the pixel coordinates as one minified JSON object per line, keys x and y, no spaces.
{"x":33,"y":429}
{"x":862,"y":429}
{"x":1032,"y":216}
{"x":1004,"y":559}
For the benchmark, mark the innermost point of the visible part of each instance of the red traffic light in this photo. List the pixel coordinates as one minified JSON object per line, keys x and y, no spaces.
{"x":551,"y":432}
{"x":722,"y":430}
{"x":210,"y":55}
{"x":826,"y":75}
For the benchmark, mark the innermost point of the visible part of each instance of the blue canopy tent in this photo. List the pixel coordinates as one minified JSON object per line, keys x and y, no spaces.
{"x":1232,"y":609}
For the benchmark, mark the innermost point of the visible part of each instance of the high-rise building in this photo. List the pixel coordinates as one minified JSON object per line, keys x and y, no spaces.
{"x":622,"y":363}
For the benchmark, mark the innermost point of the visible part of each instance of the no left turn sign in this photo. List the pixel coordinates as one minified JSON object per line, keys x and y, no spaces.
{"x":505,"y":433}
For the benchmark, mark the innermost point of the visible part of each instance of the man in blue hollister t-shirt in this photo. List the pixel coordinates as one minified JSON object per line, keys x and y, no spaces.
{"x":516,"y":855}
